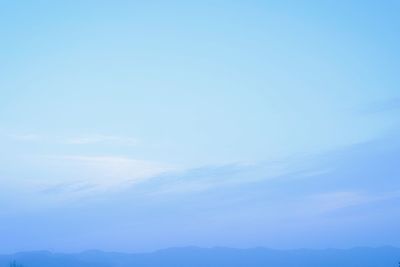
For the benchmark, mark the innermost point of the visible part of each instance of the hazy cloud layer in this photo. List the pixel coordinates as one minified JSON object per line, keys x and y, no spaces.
{"x":134,"y":199}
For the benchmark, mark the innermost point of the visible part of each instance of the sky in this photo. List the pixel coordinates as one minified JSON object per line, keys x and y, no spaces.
{"x":141,"y":125}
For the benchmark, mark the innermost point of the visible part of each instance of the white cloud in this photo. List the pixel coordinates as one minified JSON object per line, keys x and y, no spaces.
{"x":109,"y":166}
{"x":57,"y":179}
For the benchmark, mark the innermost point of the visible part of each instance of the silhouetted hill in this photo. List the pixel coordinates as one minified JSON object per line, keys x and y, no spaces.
{"x":213,"y":257}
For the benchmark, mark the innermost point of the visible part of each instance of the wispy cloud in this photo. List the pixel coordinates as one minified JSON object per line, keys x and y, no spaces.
{"x":67,"y":188}
{"x":111,"y":172}
{"x":336,"y":200}
{"x":25,"y":137}
{"x":329,"y":201}
{"x":89,"y":139}
{"x":105,"y":139}
{"x":55,"y":179}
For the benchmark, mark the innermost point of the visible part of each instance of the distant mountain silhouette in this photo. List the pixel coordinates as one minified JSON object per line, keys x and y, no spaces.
{"x":213,"y":257}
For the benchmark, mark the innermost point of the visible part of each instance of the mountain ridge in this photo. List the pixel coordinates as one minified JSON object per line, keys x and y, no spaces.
{"x":209,"y":257}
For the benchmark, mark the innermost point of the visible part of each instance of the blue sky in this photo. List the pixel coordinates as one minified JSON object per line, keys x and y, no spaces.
{"x":131,"y":125}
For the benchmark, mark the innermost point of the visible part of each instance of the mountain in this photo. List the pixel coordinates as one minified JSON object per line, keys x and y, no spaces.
{"x":213,"y":257}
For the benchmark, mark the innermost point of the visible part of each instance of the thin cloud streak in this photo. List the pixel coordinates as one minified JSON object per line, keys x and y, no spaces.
{"x":332,"y":201}
{"x":76,"y":140}
{"x":113,"y":171}
{"x":106,"y":139}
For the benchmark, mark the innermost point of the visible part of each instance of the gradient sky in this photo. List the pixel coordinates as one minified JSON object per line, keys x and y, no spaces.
{"x":139,"y":125}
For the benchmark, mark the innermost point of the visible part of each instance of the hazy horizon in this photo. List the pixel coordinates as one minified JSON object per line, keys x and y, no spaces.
{"x":197,"y":257}
{"x":143,"y":125}
{"x":188,"y":247}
